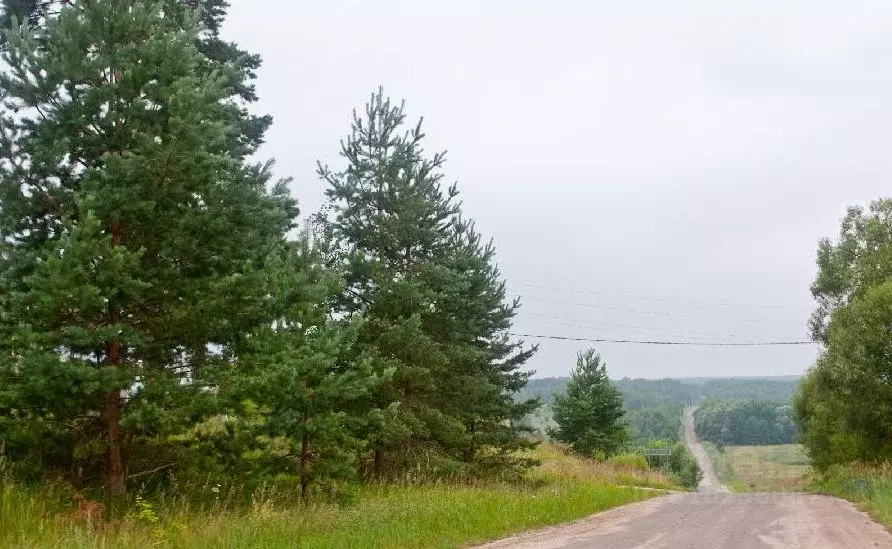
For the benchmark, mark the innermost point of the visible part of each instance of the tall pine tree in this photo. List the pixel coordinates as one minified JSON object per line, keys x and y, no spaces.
{"x":432,"y":299}
{"x":472,"y":320}
{"x":134,"y":233}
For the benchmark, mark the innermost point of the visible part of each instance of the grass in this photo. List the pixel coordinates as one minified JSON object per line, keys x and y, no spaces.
{"x":778,"y":468}
{"x":720,"y":463}
{"x":440,"y":515}
{"x":869,"y":486}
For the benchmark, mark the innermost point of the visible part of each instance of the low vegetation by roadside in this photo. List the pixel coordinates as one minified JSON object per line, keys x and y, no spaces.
{"x":440,"y":514}
{"x":719,"y":462}
{"x":869,"y":486}
{"x":772,"y":468}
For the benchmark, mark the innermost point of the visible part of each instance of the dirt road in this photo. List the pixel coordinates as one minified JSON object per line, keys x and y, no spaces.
{"x":709,"y":484}
{"x":717,"y":521}
{"x":713,"y":518}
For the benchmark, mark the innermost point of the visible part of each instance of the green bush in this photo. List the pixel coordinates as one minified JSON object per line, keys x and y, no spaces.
{"x":684,"y":467}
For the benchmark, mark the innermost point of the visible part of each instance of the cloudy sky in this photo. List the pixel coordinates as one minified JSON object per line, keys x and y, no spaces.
{"x":648,"y":170}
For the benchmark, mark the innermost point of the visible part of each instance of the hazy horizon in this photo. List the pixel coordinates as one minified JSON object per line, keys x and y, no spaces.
{"x":684,"y":378}
{"x":646,"y":172}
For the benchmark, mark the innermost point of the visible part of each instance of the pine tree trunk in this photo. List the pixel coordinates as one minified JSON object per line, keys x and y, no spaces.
{"x":305,"y":464}
{"x":379,"y":464}
{"x":116,"y":469}
{"x":471,"y":450}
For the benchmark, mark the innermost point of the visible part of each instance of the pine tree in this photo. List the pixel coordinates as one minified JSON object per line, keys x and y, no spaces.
{"x":28,"y":12}
{"x":392,"y":219}
{"x":589,"y":415}
{"x":134,"y":234}
{"x":431,"y":297}
{"x":300,"y":371}
{"x":472,"y":319}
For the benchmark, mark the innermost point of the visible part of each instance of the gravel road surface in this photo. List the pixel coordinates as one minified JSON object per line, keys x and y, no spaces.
{"x":716,"y":521}
{"x":713,"y":518}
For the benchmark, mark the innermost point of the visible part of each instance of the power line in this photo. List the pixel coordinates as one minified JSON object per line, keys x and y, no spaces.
{"x":631,"y":328}
{"x":654,"y":342}
{"x":633,"y":311}
{"x":654,"y":298}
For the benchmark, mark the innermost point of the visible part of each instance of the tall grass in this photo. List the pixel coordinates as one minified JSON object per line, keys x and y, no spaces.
{"x":559,"y":465}
{"x":766,"y":468}
{"x":720,"y":464}
{"x":870,"y":486}
{"x":563,"y":488}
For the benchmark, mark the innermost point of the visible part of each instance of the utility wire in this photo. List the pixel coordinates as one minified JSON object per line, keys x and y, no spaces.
{"x":654,"y":298}
{"x":634,"y":311}
{"x":634,"y":329}
{"x":654,"y":342}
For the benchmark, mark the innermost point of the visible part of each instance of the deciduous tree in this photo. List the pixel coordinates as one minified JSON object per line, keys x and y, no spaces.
{"x":842,"y":406}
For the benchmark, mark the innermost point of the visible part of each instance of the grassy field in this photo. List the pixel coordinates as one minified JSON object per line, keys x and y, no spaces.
{"x":870,"y":486}
{"x":781,"y":468}
{"x":564,"y":488}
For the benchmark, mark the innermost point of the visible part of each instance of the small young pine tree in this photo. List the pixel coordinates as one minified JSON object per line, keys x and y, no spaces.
{"x":300,"y":373}
{"x":589,"y":414}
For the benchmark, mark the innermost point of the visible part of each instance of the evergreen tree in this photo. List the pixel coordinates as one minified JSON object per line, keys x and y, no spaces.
{"x":589,"y":415}
{"x":134,"y":234}
{"x":432,"y":299}
{"x":231,"y":63}
{"x":28,"y":12}
{"x":472,"y":318}
{"x":300,"y":373}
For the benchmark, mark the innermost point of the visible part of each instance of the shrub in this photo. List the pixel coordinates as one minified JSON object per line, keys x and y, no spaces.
{"x":684,"y":466}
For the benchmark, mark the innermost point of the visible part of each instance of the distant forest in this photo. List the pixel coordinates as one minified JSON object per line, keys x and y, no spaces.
{"x":745,"y":422}
{"x":654,"y":406}
{"x":649,"y":393}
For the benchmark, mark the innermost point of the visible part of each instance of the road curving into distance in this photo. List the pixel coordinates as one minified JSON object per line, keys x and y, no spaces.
{"x":714,"y":518}
{"x":709,"y":482}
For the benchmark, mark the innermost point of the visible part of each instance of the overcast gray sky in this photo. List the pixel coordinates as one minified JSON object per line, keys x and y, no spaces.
{"x":648,"y":170}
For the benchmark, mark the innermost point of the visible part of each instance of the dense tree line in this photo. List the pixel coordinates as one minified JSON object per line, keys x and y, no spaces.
{"x":779,"y":389}
{"x":745,"y":422}
{"x":159,"y":309}
{"x":653,"y":407}
{"x":843,"y":404}
{"x":654,"y":393}
{"x":657,"y":423}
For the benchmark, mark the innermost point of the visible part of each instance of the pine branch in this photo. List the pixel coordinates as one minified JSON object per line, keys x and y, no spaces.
{"x":151,"y":471}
